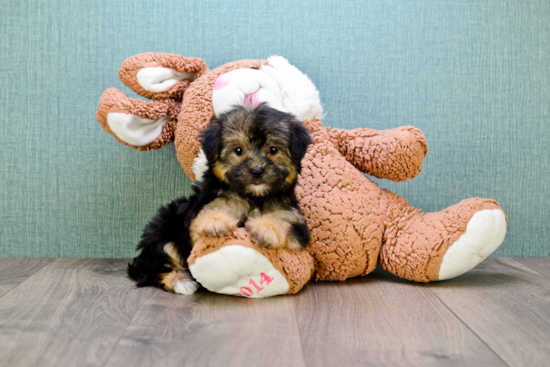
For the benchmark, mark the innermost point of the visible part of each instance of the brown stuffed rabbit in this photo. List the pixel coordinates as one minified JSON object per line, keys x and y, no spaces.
{"x":354,"y":224}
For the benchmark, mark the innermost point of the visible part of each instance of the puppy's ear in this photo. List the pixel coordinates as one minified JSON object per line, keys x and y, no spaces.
{"x":299,"y":141}
{"x":211,"y":140}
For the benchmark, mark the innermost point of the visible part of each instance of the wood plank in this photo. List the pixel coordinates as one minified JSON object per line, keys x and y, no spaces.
{"x":70,"y":313}
{"x":207,"y":329}
{"x":13,"y":271}
{"x":538,"y":264}
{"x":383,"y":320}
{"x":507,"y":305}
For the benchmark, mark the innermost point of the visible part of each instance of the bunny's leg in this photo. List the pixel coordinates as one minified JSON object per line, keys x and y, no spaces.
{"x":426,"y":247}
{"x":143,"y":125}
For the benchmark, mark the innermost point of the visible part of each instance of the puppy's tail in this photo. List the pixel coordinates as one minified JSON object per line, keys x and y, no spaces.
{"x":168,"y":225}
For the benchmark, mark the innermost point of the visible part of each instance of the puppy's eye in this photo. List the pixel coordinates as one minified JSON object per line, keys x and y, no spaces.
{"x":273,"y":150}
{"x":239,"y":151}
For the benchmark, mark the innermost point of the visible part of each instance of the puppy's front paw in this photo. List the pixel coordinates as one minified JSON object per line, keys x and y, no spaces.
{"x":179,"y":281}
{"x":214,"y":223}
{"x":268,"y":231}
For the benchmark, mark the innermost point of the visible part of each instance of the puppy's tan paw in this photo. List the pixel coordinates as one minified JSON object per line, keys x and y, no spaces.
{"x":214,"y":224}
{"x":179,"y":281}
{"x":268,"y":231}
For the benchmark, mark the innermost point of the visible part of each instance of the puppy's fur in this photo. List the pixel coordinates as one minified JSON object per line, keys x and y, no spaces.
{"x":254,"y":156}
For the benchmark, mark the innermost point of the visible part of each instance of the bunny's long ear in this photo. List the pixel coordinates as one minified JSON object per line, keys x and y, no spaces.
{"x":160,"y":76}
{"x":142,"y":125}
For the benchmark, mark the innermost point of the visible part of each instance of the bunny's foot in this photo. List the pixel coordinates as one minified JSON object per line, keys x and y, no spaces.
{"x":426,"y":247}
{"x":234,"y":265}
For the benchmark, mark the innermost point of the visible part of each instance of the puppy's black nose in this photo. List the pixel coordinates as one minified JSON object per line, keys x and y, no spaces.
{"x":257,"y":171}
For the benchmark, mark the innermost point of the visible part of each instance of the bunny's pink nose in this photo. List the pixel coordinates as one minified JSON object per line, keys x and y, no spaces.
{"x":222,"y":81}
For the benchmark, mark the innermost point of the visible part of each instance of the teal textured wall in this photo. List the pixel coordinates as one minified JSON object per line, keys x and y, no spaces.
{"x":472,"y":74}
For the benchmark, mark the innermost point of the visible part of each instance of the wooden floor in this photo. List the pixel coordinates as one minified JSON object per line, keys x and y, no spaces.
{"x":82,"y":312}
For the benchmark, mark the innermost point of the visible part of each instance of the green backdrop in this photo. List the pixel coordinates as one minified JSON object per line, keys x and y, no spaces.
{"x":472,"y":74}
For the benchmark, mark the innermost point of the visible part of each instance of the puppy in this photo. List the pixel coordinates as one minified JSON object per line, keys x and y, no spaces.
{"x":254,"y":156}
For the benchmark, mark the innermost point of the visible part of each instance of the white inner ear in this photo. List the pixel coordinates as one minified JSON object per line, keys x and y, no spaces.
{"x":135,"y":130}
{"x":157,"y":79}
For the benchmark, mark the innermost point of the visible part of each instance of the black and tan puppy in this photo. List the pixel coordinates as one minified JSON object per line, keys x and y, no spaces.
{"x":254,"y":156}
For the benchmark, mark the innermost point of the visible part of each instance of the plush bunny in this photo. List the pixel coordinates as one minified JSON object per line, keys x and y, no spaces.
{"x":355,"y":225}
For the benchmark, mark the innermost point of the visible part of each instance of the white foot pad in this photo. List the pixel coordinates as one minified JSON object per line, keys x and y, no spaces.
{"x":239,"y":271}
{"x":484,"y":233}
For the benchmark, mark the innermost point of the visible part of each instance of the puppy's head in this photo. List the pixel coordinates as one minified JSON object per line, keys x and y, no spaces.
{"x":256,"y":150}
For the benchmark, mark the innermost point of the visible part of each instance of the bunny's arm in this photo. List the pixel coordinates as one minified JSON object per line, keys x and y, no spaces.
{"x":395,"y":154}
